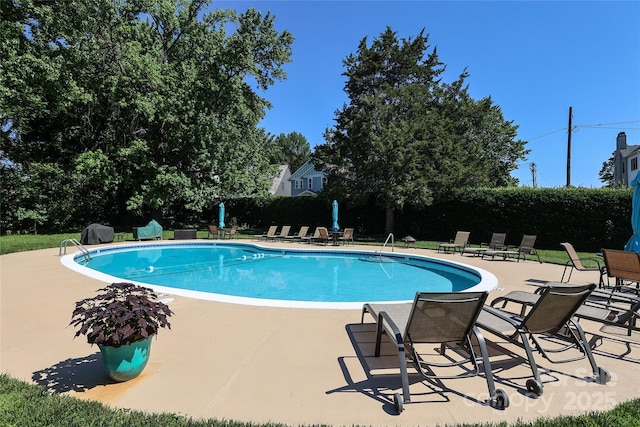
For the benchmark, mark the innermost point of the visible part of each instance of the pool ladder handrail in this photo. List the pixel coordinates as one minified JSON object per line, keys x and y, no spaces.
{"x":63,"y":244}
{"x":390,"y":236}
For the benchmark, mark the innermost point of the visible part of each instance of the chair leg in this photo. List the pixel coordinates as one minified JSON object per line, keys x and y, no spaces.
{"x":601,"y":375}
{"x":536,"y":386}
{"x":404,"y":375}
{"x":486,"y":365}
{"x":379,"y":331}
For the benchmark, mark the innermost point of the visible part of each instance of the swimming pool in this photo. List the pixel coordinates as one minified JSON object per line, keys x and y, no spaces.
{"x":251,"y":274}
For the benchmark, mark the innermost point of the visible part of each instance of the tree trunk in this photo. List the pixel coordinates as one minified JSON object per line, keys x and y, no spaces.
{"x":388,"y":225}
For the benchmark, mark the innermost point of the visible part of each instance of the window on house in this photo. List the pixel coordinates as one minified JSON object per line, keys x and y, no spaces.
{"x":310,"y":183}
{"x":634,"y":163}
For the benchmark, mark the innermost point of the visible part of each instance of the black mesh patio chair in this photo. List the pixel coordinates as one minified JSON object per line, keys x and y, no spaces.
{"x":619,"y":309}
{"x":525,"y":248}
{"x":550,"y":315}
{"x":447,"y":319}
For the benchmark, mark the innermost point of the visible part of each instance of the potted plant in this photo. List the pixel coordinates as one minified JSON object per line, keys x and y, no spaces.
{"x":122,"y":320}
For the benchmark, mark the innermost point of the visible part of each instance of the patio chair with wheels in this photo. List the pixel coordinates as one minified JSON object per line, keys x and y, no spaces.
{"x":447,"y":319}
{"x":619,"y":309}
{"x":550,"y":316}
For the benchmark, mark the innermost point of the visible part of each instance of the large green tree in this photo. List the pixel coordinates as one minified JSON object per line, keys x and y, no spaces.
{"x":406,"y":136}
{"x":147,"y":104}
{"x":291,"y":149}
{"x":606,"y":173}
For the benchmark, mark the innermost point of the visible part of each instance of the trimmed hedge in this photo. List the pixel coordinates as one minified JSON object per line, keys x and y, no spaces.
{"x":588,"y":218}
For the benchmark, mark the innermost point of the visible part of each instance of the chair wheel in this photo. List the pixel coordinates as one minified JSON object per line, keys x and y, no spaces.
{"x":603,"y":376}
{"x":501,"y":399}
{"x":398,"y":402}
{"x":534,"y":387}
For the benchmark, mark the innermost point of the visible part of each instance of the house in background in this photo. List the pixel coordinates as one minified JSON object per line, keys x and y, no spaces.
{"x":625,"y":161}
{"x":281,"y":184}
{"x":307,"y":181}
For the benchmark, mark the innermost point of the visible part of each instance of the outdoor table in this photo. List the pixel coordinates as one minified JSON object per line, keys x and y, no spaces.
{"x":335,"y":235}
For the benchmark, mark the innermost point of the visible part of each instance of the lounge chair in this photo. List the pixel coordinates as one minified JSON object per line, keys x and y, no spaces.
{"x":447,"y":319}
{"x":496,"y":244}
{"x":575,"y":262}
{"x":213,"y":231}
{"x":550,"y":315}
{"x":525,"y":248}
{"x":460,"y":242}
{"x":230,"y":233}
{"x":603,"y":306}
{"x":152,"y":230}
{"x":299,"y":235}
{"x":612,"y":308}
{"x":284,"y":232}
{"x":323,"y":237}
{"x":268,"y":235}
{"x":624,"y":266}
{"x":309,"y":239}
{"x":347,"y":237}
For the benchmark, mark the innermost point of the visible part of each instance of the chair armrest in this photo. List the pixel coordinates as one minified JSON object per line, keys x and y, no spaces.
{"x":395,"y":331}
{"x":508,"y":316}
{"x":598,"y":261}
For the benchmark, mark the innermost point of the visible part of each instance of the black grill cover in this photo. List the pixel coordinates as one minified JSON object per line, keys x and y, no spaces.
{"x":95,"y":234}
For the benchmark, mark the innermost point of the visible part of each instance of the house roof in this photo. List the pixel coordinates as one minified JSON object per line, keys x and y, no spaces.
{"x":283,"y":171}
{"x":305,"y":170}
{"x":630,"y":150}
{"x":306,"y":193}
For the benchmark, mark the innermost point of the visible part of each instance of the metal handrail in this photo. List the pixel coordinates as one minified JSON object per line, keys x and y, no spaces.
{"x":63,"y":244}
{"x":390,"y":236}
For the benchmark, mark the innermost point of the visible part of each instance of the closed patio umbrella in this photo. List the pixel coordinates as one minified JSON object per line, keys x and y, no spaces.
{"x":334,"y":215}
{"x":633,"y":245}
{"x":221,"y":216}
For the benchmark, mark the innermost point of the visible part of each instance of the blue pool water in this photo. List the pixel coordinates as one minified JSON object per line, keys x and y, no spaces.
{"x":250,"y":271}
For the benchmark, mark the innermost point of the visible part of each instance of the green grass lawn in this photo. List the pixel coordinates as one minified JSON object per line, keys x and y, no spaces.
{"x":23,"y":404}
{"x":28,"y":242}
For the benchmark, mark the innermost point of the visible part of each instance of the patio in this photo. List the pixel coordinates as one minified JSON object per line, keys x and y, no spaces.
{"x":285,"y":365}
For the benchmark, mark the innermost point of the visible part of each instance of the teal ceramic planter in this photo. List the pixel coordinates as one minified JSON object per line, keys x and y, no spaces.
{"x":126,"y":362}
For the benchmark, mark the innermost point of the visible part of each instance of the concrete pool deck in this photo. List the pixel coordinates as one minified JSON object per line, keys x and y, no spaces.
{"x":288,"y":365}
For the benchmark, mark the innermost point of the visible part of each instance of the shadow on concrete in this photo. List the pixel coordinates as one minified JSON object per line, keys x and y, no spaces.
{"x":79,"y":374}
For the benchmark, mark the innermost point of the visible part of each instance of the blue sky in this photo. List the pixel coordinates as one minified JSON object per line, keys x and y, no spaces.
{"x":535,"y":59}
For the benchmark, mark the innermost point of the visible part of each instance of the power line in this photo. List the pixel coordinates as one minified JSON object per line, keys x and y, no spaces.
{"x":609,"y":124}
{"x":591,"y":126}
{"x":549,"y":133}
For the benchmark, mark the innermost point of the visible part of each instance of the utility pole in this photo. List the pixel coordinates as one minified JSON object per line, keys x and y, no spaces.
{"x":533,"y":174}
{"x":569,"y":148}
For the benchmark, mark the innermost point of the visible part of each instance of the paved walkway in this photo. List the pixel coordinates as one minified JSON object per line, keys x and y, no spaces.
{"x":293,"y":366}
